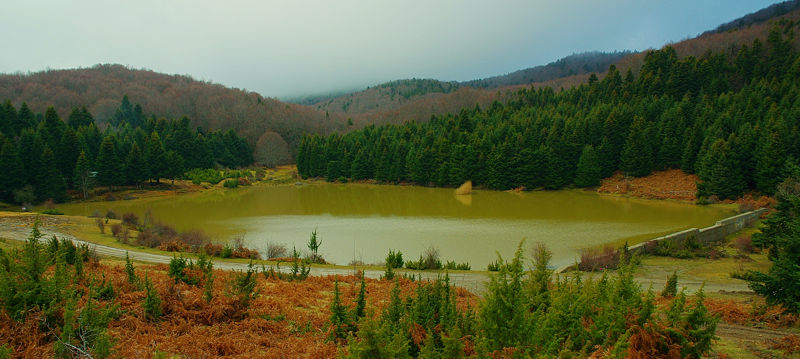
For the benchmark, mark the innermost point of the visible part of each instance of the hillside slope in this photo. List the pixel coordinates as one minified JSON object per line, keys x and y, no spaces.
{"x":418,"y":99}
{"x":101,"y":88}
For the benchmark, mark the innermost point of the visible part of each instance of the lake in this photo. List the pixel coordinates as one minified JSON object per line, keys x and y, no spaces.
{"x":362,"y":221}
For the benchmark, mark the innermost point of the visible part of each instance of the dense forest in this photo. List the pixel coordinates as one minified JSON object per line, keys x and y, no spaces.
{"x":211,"y":106}
{"x":41,"y":155}
{"x":730,"y":117}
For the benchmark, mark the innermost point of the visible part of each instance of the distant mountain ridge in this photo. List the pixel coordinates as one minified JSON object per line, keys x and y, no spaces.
{"x":575,"y":64}
{"x":759,"y":16}
{"x":394,"y":94}
{"x":101,"y":87}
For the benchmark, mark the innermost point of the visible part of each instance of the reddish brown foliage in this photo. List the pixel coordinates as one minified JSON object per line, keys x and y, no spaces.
{"x":272,"y":327}
{"x":744,"y":244}
{"x":789,"y":344}
{"x":669,"y":184}
{"x":741,"y":313}
{"x":748,"y":202}
{"x":173,"y":246}
{"x":247,"y":253}
{"x":213,"y":249}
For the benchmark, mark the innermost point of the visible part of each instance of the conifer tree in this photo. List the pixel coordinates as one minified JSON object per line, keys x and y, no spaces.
{"x":135,"y":166}
{"x":12,"y":175}
{"x":108,"y":164}
{"x":637,"y":155}
{"x":770,"y":162}
{"x":588,"y":172}
{"x":83,"y":179}
{"x":51,"y":183}
{"x":67,"y":154}
{"x":720,"y":171}
{"x":156,"y":157}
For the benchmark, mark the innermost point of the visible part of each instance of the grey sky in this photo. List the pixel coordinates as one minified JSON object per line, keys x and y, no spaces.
{"x":287,"y":48}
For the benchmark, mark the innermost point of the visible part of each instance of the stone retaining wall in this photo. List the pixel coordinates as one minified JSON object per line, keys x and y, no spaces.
{"x":714,"y":233}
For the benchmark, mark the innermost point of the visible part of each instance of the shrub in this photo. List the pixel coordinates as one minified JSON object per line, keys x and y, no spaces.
{"x":276,"y":250}
{"x":227,"y":251}
{"x":340,"y":322}
{"x":671,"y":287}
{"x":394,"y":259}
{"x":594,"y":259}
{"x":194,"y":239}
{"x":299,"y":269}
{"x":152,"y":301}
{"x":53,"y":212}
{"x":388,"y":273}
{"x":130,"y":272}
{"x":100,"y":225}
{"x":244,"y":287}
{"x":430,"y":258}
{"x":313,"y":246}
{"x":5,"y":352}
{"x":214,"y":250}
{"x":116,"y":230}
{"x":452,"y":265}
{"x":173,"y":246}
{"x":130,"y":219}
{"x":209,"y":175}
{"x":493,"y":267}
{"x":87,"y":332}
{"x":230,"y":183}
{"x":24,"y":284}
{"x":110,"y":214}
{"x":744,"y":244}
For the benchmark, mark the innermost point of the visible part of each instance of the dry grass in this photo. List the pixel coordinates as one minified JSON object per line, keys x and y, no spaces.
{"x":669,"y":184}
{"x":287,"y":319}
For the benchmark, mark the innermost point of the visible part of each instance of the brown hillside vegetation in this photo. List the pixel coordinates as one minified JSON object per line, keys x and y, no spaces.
{"x":214,"y":106}
{"x":669,"y":184}
{"x":285,"y":320}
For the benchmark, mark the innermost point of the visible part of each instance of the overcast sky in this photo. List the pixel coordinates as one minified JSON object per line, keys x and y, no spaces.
{"x":294,"y":47}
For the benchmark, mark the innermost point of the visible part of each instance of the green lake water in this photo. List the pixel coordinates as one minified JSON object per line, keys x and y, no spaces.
{"x":362,"y":222}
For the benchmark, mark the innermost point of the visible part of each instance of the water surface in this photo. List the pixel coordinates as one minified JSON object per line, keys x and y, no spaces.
{"x":362,"y":222}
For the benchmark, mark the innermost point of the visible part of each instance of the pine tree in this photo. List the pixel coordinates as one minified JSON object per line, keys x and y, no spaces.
{"x":135,"y":166}
{"x":156,"y":157}
{"x":588,"y":172}
{"x":340,"y":321}
{"x":637,"y":155}
{"x":51,"y":183}
{"x":108,"y":164}
{"x":12,"y":174}
{"x":174,"y":167}
{"x":781,"y":234}
{"x":361,"y":301}
{"x":67,"y":154}
{"x":720,"y":171}
{"x":53,"y":127}
{"x":770,"y":162}
{"x":30,"y":154}
{"x":83,"y":179}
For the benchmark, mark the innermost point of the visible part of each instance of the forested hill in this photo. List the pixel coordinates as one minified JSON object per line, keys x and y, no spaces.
{"x":417,"y":99}
{"x":759,"y":16}
{"x":208,"y":105}
{"x":729,"y":116}
{"x":381,"y":104}
{"x":576,"y":64}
